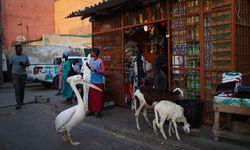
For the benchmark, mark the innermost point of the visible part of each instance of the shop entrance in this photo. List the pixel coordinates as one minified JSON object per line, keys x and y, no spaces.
{"x":146,"y":58}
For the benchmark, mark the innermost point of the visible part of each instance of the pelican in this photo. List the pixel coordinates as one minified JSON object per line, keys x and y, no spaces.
{"x":73,"y":116}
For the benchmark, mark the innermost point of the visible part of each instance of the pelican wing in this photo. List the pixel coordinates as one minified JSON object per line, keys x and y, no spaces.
{"x":84,"y":82}
{"x":64,"y":117}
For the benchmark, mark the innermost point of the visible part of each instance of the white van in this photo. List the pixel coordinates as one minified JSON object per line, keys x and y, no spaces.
{"x":47,"y":73}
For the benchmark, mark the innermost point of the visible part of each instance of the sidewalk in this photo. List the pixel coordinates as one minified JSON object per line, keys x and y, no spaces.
{"x":118,"y":121}
{"x":122,"y":121}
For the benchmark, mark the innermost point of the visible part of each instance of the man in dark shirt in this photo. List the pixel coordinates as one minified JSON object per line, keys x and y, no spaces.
{"x":19,"y":62}
{"x":160,"y":62}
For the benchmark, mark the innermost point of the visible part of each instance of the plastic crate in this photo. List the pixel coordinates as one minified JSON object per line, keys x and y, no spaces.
{"x":220,"y":18}
{"x":221,"y":55}
{"x":225,"y":28}
{"x":220,"y":36}
{"x":215,"y":4}
{"x":221,"y":63}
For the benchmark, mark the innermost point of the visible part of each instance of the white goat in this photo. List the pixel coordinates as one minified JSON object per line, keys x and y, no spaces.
{"x":172,"y":112}
{"x":143,"y":105}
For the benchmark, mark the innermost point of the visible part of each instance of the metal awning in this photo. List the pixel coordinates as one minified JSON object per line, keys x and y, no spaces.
{"x":108,"y":7}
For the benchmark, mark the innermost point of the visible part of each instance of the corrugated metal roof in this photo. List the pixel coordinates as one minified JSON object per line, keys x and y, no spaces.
{"x":94,"y":9}
{"x":106,"y":7}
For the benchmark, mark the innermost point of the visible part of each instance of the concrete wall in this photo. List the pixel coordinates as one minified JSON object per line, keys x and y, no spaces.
{"x":72,"y":25}
{"x":29,"y":18}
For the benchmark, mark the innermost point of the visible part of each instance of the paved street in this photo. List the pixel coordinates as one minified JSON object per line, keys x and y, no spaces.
{"x":32,"y":128}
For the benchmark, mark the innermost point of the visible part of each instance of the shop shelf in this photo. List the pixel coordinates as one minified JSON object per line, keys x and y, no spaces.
{"x":221,"y":36}
{"x":224,"y":28}
{"x":222,"y":64}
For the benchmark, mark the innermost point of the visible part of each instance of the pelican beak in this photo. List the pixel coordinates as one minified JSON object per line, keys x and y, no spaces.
{"x":81,"y":81}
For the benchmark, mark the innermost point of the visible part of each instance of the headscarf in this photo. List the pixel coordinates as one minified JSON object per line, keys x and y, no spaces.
{"x":67,"y":53}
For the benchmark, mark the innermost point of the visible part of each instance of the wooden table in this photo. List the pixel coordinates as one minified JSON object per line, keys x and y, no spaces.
{"x":217,"y":132}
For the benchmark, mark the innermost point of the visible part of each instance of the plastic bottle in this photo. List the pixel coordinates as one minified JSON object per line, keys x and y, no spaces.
{"x":197,"y":82}
{"x":192,"y":82}
{"x":188,"y":82}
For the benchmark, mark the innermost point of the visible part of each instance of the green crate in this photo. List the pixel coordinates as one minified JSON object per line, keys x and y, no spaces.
{"x":221,"y":18}
{"x":221,"y":36}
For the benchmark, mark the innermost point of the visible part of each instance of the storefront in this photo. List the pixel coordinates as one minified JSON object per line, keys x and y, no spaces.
{"x":201,"y":39}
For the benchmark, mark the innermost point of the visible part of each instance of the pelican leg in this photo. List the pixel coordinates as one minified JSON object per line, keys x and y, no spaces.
{"x":71,"y":141}
{"x":65,"y":137}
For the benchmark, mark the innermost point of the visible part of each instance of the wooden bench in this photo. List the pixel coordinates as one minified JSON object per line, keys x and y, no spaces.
{"x":217,"y":132}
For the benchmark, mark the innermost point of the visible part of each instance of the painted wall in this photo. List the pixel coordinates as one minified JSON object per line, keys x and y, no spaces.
{"x":72,"y":25}
{"x":28,"y":18}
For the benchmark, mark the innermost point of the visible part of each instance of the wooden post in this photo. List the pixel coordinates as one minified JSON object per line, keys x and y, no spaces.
{"x":233,"y":37}
{"x":229,"y":122}
{"x":216,"y":124}
{"x":123,"y":54}
{"x":202,"y":53}
{"x":169,"y":47}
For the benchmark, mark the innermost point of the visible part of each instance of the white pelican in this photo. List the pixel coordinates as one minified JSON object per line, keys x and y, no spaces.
{"x":73,"y":116}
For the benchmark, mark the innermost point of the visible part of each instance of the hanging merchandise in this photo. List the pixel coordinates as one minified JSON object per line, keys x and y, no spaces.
{"x":141,"y":18}
{"x":152,"y":30}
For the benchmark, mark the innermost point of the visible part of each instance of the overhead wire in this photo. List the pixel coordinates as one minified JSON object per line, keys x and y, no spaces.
{"x":241,"y":20}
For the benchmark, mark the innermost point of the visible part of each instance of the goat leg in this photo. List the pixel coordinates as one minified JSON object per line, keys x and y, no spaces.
{"x":176,"y":130}
{"x":154,"y":127}
{"x":170,"y":128}
{"x":137,"y":116}
{"x":163,"y":118}
{"x":146,"y":117}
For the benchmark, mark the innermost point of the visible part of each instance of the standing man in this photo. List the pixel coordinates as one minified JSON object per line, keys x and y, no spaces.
{"x":159,"y":63}
{"x":18,"y":63}
{"x":67,"y":91}
{"x":59,"y":73}
{"x":96,"y":65}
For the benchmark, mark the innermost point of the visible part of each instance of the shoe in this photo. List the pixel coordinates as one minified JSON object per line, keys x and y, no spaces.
{"x":18,"y":107}
{"x":99,"y":114}
{"x":90,"y":113}
{"x":67,"y":102}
